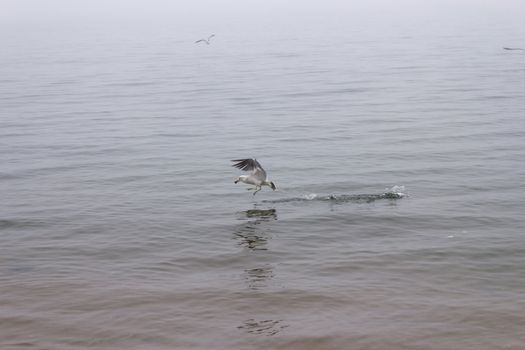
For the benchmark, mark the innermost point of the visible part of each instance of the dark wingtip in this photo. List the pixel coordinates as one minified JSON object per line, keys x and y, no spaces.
{"x":273,"y":186}
{"x":240,"y":163}
{"x":246,"y":164}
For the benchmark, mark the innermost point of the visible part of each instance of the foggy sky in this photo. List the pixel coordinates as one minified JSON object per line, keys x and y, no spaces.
{"x":11,"y":10}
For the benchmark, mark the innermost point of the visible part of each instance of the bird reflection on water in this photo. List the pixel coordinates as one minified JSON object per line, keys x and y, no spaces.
{"x":257,"y":278}
{"x":263,"y":327}
{"x":254,"y":234}
{"x":251,"y":234}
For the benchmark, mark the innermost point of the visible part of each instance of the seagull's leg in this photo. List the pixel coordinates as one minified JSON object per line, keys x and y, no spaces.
{"x":258,"y":188}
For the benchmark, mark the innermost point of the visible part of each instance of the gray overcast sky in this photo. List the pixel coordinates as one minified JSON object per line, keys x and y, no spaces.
{"x":31,"y":9}
{"x":186,"y":18}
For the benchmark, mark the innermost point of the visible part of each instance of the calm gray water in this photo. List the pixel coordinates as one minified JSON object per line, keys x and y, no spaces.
{"x":121,"y":228}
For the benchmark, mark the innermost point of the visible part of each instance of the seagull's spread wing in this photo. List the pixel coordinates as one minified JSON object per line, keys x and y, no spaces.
{"x":211,"y":36}
{"x":201,"y":40}
{"x":251,"y":165}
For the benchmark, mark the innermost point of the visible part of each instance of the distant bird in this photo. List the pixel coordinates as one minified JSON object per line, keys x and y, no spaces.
{"x":513,"y":48}
{"x":258,"y":176}
{"x":207,"y":41}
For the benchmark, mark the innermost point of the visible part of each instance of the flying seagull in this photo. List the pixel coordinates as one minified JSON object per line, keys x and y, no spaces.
{"x":207,"y":41}
{"x":257,"y":177}
{"x":513,"y":48}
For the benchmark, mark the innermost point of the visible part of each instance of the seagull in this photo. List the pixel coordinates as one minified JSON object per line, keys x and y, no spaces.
{"x":257,"y":177}
{"x":207,"y":41}
{"x":513,"y":48}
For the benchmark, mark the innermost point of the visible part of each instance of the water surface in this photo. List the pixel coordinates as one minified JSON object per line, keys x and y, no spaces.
{"x":121,"y":228}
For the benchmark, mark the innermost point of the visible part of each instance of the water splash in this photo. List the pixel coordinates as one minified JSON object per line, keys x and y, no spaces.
{"x":310,"y":196}
{"x":395,"y":192}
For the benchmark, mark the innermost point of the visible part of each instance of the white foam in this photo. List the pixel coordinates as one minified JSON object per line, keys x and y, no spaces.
{"x":399,"y":190}
{"x":310,"y":196}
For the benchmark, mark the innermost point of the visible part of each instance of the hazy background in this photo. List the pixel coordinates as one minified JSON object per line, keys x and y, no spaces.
{"x":202,"y":11}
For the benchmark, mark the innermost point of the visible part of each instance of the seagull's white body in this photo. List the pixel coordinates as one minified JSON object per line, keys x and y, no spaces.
{"x":258,"y":176}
